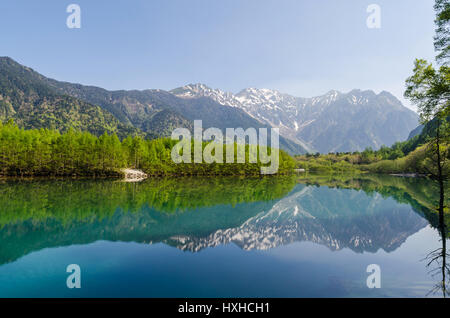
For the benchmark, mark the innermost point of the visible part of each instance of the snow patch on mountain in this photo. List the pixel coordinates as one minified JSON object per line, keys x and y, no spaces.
{"x":317,"y":122}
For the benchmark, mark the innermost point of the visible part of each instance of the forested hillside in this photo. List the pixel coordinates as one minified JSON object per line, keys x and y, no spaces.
{"x":26,"y":99}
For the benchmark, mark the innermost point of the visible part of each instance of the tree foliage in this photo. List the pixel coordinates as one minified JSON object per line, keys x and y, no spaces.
{"x":429,"y":90}
{"x":442,"y":37}
{"x":47,"y":152}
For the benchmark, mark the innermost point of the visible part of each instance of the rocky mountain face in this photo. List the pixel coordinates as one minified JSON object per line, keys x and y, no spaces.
{"x":334,"y":122}
{"x":415,"y":132}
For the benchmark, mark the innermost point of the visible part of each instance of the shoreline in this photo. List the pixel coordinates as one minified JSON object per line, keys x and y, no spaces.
{"x":408,"y":175}
{"x":133,"y":175}
{"x":149,"y":176}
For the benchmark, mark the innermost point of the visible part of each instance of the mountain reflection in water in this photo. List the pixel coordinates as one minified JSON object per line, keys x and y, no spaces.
{"x":362,"y":214}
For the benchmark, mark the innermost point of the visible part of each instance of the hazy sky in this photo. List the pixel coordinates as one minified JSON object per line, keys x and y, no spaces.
{"x":300,"y":47}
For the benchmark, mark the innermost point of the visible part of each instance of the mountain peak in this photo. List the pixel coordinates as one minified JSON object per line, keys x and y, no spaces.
{"x":332,"y":95}
{"x":7,"y":59}
{"x":387,"y":94}
{"x":333,"y":92}
{"x":198,"y":86}
{"x":365,"y":93}
{"x":191,"y":90}
{"x":259,"y":91}
{"x":201,"y":90}
{"x":13,"y":67}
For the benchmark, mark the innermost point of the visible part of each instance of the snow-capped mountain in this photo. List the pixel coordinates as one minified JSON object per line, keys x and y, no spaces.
{"x":201,"y":90}
{"x":331,"y":122}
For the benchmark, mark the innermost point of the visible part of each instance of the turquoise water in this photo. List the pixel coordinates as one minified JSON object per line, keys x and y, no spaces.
{"x":275,"y":237}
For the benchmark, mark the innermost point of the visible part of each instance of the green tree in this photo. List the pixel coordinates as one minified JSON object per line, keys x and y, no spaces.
{"x":429,"y":89}
{"x":442,"y":38}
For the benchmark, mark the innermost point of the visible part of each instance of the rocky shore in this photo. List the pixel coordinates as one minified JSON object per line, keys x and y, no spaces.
{"x":133,"y":175}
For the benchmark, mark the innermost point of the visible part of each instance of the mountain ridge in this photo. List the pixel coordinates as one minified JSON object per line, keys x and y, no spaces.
{"x":31,"y":103}
{"x":306,"y":120}
{"x":333,"y":122}
{"x":129,"y":112}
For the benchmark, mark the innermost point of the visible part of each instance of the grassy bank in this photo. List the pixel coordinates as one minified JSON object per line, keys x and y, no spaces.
{"x":329,"y":163}
{"x":417,"y":161}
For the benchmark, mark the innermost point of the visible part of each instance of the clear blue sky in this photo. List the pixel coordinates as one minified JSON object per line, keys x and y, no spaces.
{"x":301,"y":47}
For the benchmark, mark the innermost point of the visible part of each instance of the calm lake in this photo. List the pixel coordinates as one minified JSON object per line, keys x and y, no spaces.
{"x":297,"y":236}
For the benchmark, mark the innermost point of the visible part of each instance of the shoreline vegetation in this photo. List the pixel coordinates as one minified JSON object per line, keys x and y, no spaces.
{"x":49,"y":153}
{"x":398,"y":160}
{"x":46,"y":153}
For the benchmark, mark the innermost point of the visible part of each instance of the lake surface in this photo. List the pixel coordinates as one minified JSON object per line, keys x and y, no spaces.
{"x":293,"y":236}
